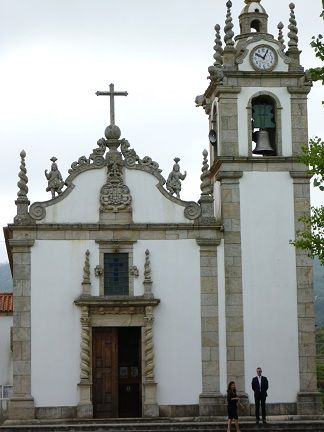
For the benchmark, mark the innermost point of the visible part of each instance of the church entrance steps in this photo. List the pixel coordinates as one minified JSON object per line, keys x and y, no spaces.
{"x":160,"y":425}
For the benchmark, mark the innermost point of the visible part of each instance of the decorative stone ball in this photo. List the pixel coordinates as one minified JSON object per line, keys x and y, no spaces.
{"x":112,"y":132}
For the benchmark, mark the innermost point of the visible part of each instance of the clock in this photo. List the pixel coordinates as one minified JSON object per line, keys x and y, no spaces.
{"x":263,"y":58}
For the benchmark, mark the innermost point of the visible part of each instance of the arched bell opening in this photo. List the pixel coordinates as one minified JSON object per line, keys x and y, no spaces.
{"x":263,"y":126}
{"x":256,"y":26}
{"x":213,"y":136}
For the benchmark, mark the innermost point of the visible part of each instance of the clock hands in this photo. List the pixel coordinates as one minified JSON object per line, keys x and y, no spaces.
{"x":262,"y":56}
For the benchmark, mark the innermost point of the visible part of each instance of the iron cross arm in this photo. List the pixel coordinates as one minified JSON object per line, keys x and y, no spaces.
{"x":111,"y":93}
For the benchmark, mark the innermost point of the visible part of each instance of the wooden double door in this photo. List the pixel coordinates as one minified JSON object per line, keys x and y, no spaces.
{"x":117,"y":378}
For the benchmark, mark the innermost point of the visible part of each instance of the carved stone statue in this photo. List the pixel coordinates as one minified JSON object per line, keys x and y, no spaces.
{"x":55,"y":180}
{"x":173,"y":183}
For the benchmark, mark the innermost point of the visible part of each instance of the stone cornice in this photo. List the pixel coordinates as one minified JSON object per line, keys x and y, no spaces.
{"x":114,"y":241}
{"x":110,"y":227}
{"x":240,"y":160}
{"x":223,"y":91}
{"x":21,"y":243}
{"x":301,"y":175}
{"x":300,"y":90}
{"x":116,"y":302}
{"x":208,"y":242}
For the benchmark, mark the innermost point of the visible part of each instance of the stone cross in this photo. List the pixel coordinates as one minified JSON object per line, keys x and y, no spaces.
{"x":112,"y":94}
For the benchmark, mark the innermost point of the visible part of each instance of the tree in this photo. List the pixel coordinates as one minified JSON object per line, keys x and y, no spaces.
{"x":312,"y":238}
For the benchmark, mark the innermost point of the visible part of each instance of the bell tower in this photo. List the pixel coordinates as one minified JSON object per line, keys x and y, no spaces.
{"x":256,"y":104}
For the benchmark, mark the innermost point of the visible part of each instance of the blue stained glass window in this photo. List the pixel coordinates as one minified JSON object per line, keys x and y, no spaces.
{"x":116,"y":281}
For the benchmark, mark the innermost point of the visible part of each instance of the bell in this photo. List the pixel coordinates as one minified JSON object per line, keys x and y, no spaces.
{"x":262,"y":140}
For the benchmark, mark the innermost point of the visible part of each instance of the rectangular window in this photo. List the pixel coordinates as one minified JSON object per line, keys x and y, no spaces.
{"x":5,"y":391}
{"x":116,"y":280}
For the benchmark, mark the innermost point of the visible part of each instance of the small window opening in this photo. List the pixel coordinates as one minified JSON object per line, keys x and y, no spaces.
{"x":263,"y":126}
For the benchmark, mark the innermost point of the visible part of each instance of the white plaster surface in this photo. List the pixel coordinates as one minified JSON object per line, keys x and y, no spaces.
{"x":177,"y":326}
{"x":269,"y":283}
{"x":243,"y":99}
{"x":56,"y":276}
{"x":246,"y":65}
{"x":81,"y":205}
{"x":6,"y":322}
{"x":149,"y":204}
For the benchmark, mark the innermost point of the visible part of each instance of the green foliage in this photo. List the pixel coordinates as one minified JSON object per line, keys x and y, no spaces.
{"x":311,"y":238}
{"x":317,"y":43}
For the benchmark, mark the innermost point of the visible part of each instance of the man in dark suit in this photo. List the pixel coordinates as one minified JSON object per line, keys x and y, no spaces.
{"x":260,"y":386}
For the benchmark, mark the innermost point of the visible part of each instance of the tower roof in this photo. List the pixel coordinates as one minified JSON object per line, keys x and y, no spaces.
{"x":253,"y":6}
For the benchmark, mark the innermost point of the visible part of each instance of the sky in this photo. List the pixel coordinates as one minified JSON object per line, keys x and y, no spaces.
{"x":55,"y":54}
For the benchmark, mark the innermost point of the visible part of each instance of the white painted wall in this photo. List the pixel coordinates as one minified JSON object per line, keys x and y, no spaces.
{"x":243,"y":99}
{"x":82,"y":204}
{"x":6,"y":322}
{"x":269,"y":283}
{"x":149,"y":204}
{"x":177,"y":325}
{"x":56,"y":276}
{"x":246,"y":65}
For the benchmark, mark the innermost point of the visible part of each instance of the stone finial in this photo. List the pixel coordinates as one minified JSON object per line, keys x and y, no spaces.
{"x":281,"y":39}
{"x":147,"y":267}
{"x":22,"y":217}
{"x":147,"y":276}
{"x":55,"y":179}
{"x":206,"y":200}
{"x":173,"y":183}
{"x":86,"y":268}
{"x":228,"y":38}
{"x":218,"y":55}
{"x":293,"y":30}
{"x":23,"y":179}
{"x":206,"y":184}
{"x":86,"y":283}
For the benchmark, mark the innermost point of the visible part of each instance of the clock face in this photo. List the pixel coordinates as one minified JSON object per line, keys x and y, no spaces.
{"x":263,"y":58}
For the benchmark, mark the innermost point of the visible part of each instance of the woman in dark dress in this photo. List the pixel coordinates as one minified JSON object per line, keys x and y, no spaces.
{"x":232,"y":399}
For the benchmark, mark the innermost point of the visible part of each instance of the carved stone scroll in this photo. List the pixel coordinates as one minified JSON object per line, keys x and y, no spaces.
{"x":85,"y":345}
{"x":85,"y":408}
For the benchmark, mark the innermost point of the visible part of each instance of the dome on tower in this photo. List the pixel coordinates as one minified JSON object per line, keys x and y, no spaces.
{"x":253,"y":18}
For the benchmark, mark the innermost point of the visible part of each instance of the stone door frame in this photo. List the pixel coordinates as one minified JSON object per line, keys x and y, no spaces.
{"x":117,"y":312}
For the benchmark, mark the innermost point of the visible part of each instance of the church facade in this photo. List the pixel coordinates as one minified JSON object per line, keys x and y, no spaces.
{"x":157,"y":303}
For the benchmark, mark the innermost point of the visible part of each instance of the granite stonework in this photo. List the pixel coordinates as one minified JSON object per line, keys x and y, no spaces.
{"x":210,"y":396}
{"x":21,"y":405}
{"x":308,"y":399}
